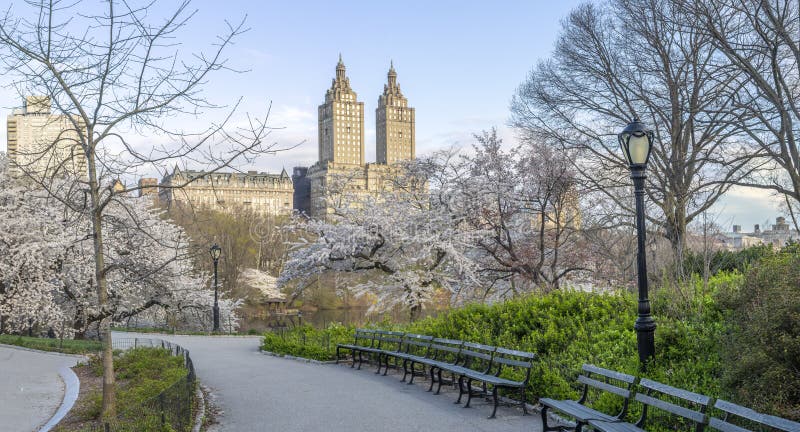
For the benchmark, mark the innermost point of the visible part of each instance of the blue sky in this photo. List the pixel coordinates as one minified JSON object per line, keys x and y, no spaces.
{"x":458,"y":62}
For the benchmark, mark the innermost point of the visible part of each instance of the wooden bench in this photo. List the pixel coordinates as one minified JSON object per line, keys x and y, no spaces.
{"x":683,"y":406}
{"x":502,"y":360}
{"x":736,"y":418}
{"x":383,"y":341}
{"x":363,"y":339}
{"x":593,"y":378}
{"x":466,"y":362}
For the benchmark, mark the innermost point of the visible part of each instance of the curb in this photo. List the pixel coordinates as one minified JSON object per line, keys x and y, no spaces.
{"x":201,"y":410}
{"x":295,"y":358}
{"x":80,"y":356}
{"x":72,"y":387}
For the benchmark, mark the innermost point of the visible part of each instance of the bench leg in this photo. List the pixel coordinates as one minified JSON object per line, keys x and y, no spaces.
{"x":460,"y":389}
{"x":353,"y":356}
{"x":439,"y":375}
{"x":380,"y":364}
{"x":433,"y":379}
{"x":413,"y":374}
{"x":522,"y":401}
{"x":337,"y":355}
{"x":360,"y":359}
{"x":405,"y":370}
{"x":386,"y":365}
{"x":494,"y":398}
{"x":546,"y":428}
{"x":469,"y":392}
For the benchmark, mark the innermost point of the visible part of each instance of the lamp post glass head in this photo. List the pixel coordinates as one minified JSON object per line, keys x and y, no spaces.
{"x":636,"y":143}
{"x":215,"y":252}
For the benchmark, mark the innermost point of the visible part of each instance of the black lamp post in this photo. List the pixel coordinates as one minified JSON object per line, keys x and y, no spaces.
{"x":215,"y":252}
{"x":637,"y":143}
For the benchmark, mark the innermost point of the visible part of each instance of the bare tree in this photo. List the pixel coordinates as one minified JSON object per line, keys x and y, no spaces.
{"x":760,"y":41}
{"x":608,"y":68}
{"x":525,"y":201}
{"x":113,"y":74}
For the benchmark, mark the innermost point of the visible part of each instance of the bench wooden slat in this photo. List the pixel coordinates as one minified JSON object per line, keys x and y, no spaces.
{"x":476,"y":354}
{"x":480,"y":346}
{"x":695,"y":416}
{"x":676,"y":392}
{"x":522,"y":354}
{"x":749,"y":414}
{"x":625,"y":393}
{"x":630,"y":379}
{"x":512,"y":362}
{"x":448,"y":341}
{"x":723,"y":426}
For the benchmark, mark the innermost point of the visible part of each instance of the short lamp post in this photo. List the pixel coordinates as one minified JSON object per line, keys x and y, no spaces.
{"x":636,"y":143}
{"x":215,"y":252}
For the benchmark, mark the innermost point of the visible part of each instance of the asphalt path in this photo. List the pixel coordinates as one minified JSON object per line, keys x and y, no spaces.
{"x":31,"y":387}
{"x":257,"y":392}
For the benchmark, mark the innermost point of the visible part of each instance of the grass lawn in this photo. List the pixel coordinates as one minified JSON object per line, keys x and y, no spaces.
{"x":67,"y":346}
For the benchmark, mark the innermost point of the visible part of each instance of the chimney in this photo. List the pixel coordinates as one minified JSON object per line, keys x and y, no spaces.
{"x":757,"y":230}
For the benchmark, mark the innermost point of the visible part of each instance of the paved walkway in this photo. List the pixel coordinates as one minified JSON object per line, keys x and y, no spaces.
{"x":31,"y":388}
{"x":259,"y":392}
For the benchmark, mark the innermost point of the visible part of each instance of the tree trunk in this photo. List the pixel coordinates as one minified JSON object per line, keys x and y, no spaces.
{"x":104,"y":327}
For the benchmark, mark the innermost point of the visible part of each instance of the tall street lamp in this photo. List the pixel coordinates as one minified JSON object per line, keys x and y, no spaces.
{"x":215,"y":252}
{"x":637,"y":143}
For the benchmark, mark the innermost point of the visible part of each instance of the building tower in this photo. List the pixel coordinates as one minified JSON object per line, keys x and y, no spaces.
{"x":341,"y":123}
{"x":41,"y":143}
{"x":394,"y":124}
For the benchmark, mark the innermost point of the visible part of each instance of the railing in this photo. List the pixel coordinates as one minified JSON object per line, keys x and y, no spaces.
{"x":171,"y":408}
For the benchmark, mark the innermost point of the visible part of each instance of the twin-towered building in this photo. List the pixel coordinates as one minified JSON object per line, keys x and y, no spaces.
{"x":341,"y":167}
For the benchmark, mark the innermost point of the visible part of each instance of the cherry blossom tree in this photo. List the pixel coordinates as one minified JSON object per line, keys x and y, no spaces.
{"x":406,"y":241}
{"x":47,"y":272}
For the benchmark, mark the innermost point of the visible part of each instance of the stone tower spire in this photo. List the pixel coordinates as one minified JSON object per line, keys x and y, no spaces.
{"x":392,"y":75}
{"x":340,"y":69}
{"x":341,"y":122}
{"x":394,"y":121}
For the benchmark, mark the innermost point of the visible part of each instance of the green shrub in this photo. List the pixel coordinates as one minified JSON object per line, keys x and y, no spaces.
{"x":762,"y":350}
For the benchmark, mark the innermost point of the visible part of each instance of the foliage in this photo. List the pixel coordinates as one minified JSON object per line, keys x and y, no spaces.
{"x":141,"y":374}
{"x":725,"y":260}
{"x":48,"y":275}
{"x":308,"y":342}
{"x":67,"y":346}
{"x":565,"y":329}
{"x":407,"y":240}
{"x":762,"y":351}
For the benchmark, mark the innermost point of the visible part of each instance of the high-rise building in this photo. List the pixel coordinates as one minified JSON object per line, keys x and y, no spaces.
{"x":42,"y":144}
{"x":394,"y":124}
{"x":341,"y":122}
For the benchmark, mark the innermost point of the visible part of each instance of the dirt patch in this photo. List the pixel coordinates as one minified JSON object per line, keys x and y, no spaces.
{"x":86,"y":408}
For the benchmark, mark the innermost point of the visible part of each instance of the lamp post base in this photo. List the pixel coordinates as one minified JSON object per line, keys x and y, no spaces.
{"x":216,"y":319}
{"x":645,"y":337}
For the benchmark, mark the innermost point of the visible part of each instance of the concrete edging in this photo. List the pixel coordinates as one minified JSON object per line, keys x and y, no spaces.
{"x":72,"y":387}
{"x":201,"y":410}
{"x":295,"y":358}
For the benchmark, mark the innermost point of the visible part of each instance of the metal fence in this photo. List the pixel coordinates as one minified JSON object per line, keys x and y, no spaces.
{"x":172,"y":408}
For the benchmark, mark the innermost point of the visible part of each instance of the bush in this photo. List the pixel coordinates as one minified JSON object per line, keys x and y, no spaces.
{"x":308,"y":342}
{"x":737,"y":338}
{"x":762,"y":353}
